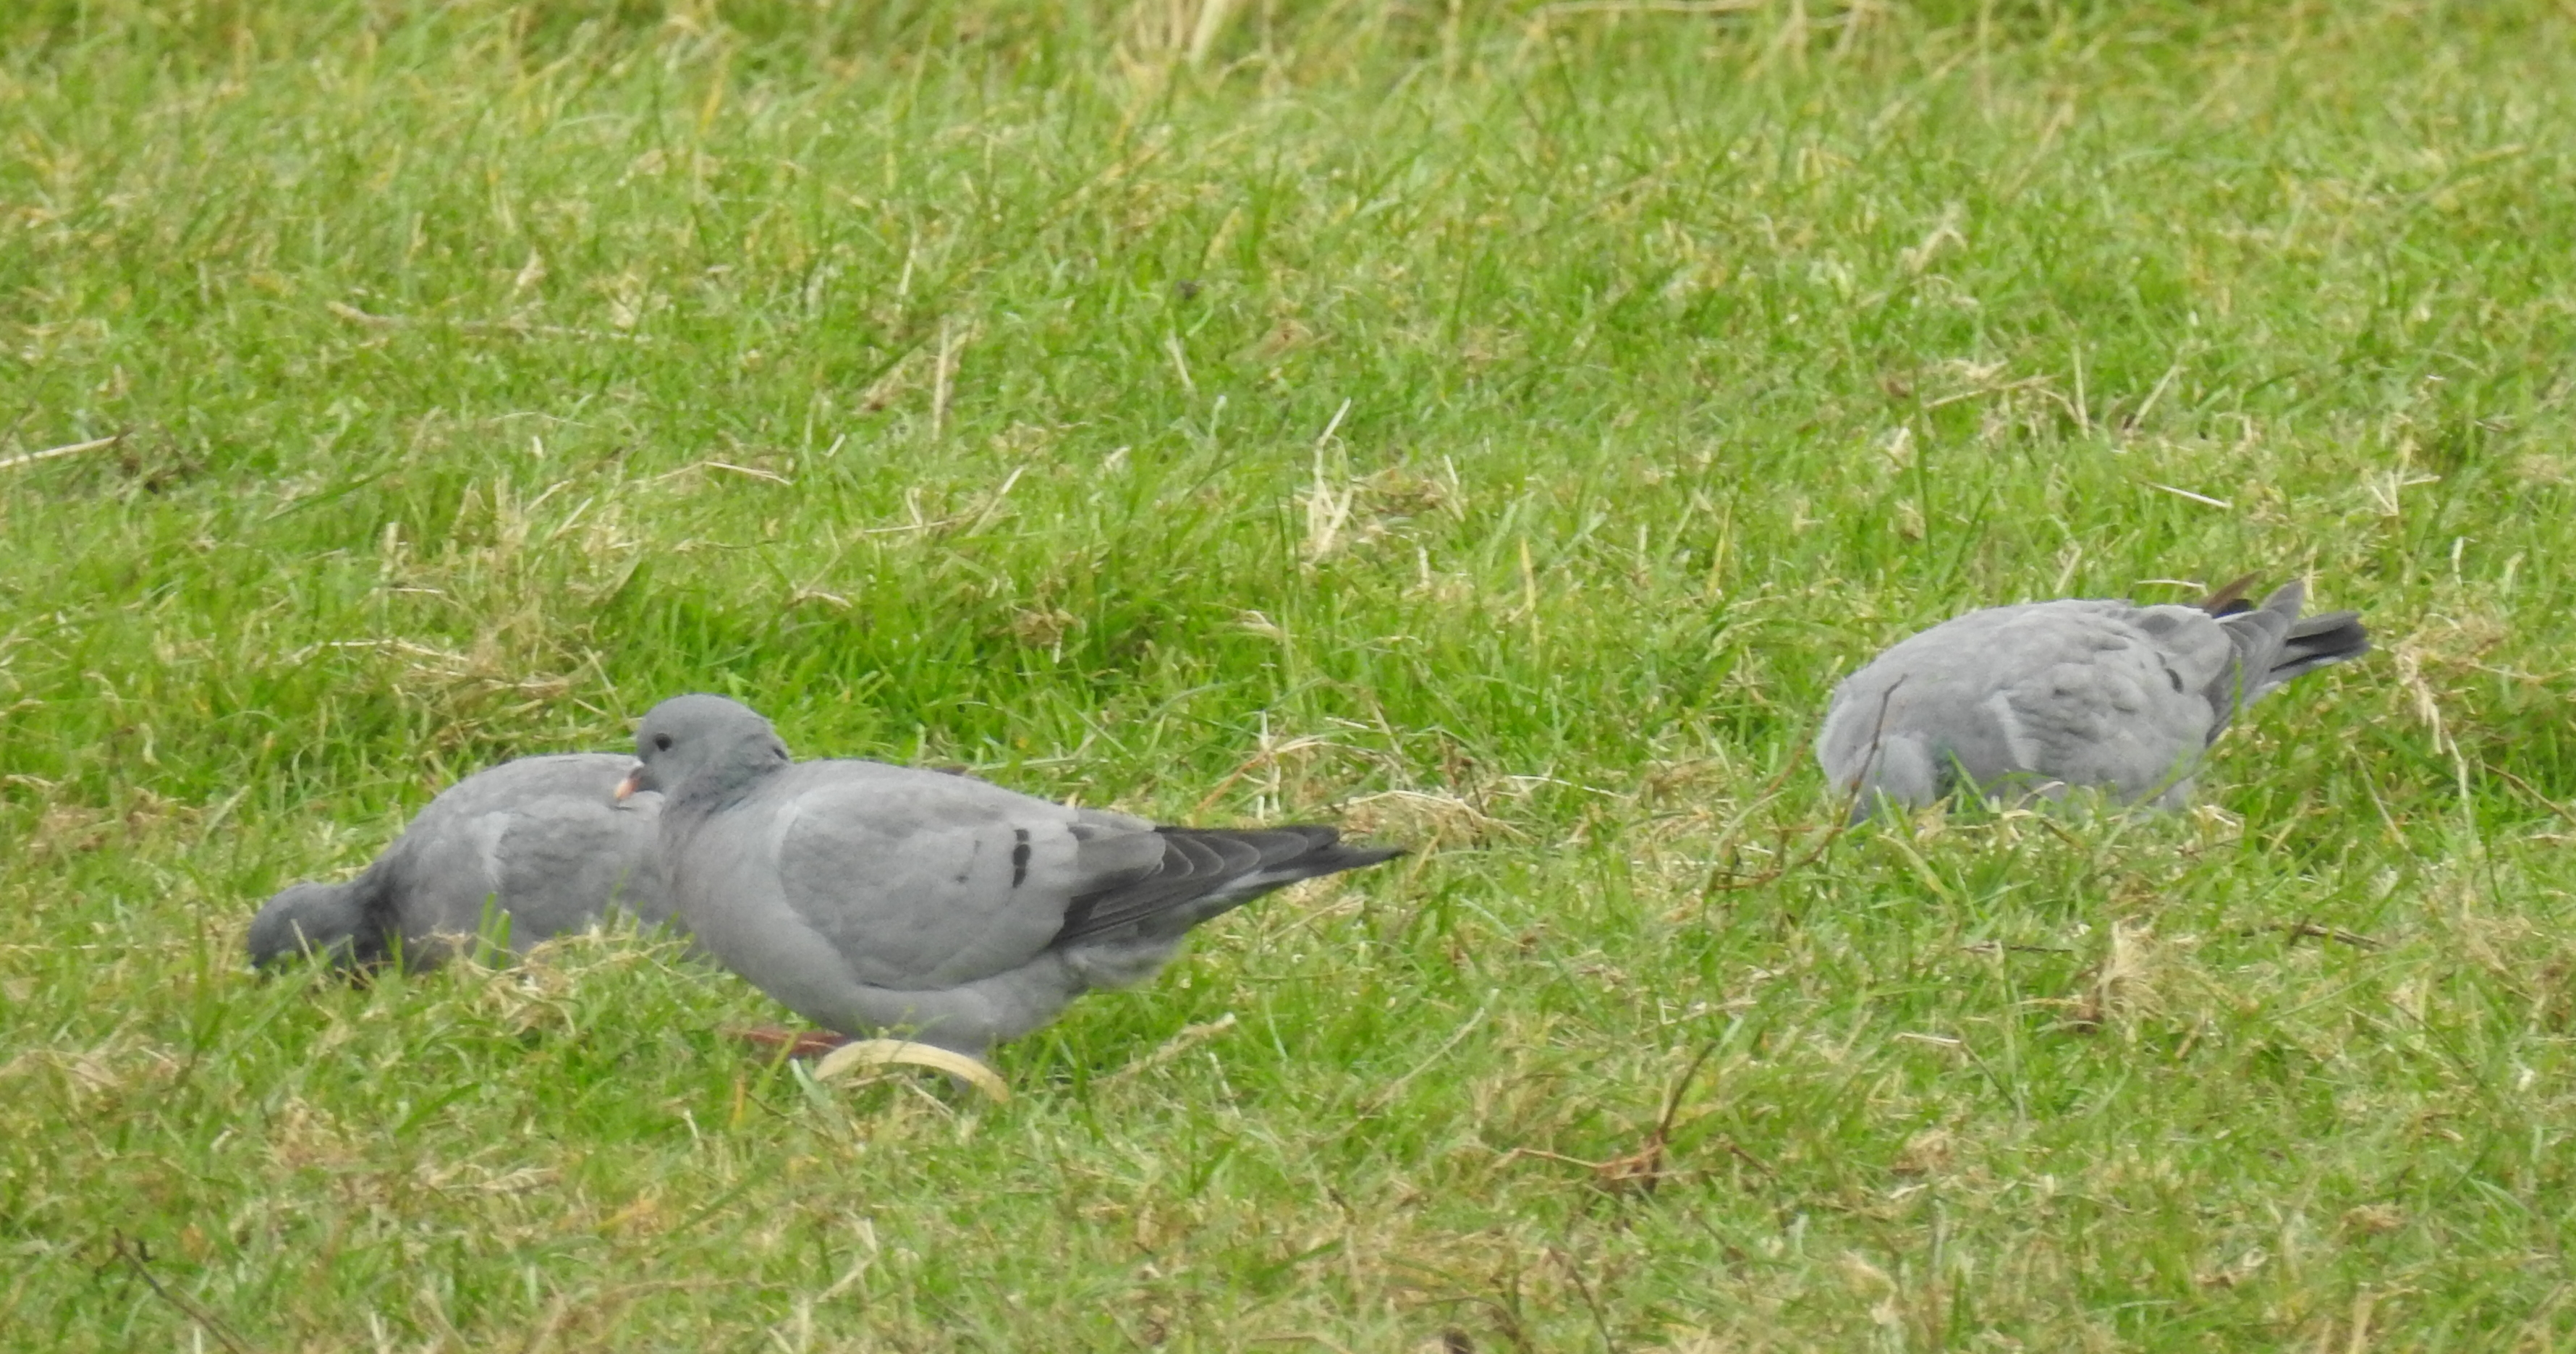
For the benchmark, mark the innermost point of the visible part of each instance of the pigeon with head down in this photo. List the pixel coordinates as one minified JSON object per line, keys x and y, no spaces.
{"x":540,"y":841}
{"x":878,"y":899}
{"x":2045,"y":696}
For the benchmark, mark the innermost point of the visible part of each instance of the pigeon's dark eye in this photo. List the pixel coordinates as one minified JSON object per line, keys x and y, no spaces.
{"x":661,"y":742}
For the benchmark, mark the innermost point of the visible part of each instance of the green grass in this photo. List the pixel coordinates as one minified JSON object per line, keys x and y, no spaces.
{"x":1489,"y":428}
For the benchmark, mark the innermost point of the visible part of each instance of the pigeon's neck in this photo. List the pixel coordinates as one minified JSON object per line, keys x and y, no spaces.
{"x":715,"y":789}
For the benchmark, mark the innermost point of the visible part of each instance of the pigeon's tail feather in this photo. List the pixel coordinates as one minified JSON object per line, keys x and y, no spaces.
{"x":1208,"y":871}
{"x":2274,"y":643}
{"x":2319,"y":641}
{"x":349,"y":926}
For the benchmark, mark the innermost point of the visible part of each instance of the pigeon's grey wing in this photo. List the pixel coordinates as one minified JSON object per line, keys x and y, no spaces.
{"x":567,"y":862}
{"x":541,"y":840}
{"x":2125,"y":703}
{"x":808,"y":967}
{"x":1916,"y":719}
{"x":443,"y":875}
{"x":569,"y":851}
{"x":924,"y":880}
{"x":869,"y":897}
{"x":2088,"y":693}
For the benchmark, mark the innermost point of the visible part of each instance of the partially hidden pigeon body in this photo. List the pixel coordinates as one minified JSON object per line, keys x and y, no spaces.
{"x":873,"y":899}
{"x":542,"y":841}
{"x":2045,"y":696}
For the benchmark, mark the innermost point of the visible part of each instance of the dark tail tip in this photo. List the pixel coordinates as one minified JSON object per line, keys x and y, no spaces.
{"x":2321,"y":641}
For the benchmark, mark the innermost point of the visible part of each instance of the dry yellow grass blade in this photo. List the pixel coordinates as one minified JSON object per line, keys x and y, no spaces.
{"x":880,"y":1052}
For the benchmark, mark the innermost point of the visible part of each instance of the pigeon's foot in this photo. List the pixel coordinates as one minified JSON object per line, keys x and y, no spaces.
{"x":798,"y":1043}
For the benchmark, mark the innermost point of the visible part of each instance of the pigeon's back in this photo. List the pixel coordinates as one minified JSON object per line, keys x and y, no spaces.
{"x":2082,"y":692}
{"x":543,"y":839}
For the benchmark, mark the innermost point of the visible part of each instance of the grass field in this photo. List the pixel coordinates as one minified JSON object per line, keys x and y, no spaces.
{"x":1490,"y":428}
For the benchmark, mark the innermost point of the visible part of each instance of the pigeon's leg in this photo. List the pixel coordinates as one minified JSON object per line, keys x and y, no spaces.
{"x":798,"y":1043}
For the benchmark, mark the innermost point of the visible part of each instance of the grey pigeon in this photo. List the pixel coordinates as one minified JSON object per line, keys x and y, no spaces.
{"x":541,"y":840}
{"x":885,"y":899}
{"x":2050,"y":695}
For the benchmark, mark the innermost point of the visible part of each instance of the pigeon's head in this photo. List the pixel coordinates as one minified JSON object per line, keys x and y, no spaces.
{"x":702,"y":747}
{"x":322,"y":919}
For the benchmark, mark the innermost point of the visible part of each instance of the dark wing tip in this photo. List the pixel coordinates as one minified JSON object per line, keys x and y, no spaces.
{"x":1206,"y":871}
{"x":1339,"y":858}
{"x":1322,"y":850}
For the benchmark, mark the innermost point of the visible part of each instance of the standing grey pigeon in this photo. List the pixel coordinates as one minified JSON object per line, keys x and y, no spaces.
{"x":873,"y":898}
{"x":2049,"y":695}
{"x":542,"y":841}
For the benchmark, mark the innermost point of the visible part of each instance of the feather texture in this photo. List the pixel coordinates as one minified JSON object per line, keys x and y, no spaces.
{"x":2046,"y":695}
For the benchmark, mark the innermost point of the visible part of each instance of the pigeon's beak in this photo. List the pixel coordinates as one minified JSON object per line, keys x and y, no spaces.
{"x":634,"y":781}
